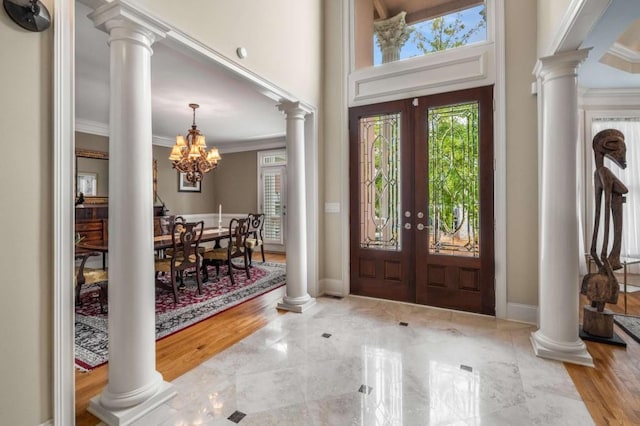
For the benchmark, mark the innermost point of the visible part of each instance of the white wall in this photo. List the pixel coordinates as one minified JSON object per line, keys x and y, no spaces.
{"x":550,"y":14}
{"x":26,"y":249}
{"x":282,"y":37}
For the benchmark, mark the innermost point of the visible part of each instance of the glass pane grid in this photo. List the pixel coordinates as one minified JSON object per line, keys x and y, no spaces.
{"x":380,"y":182}
{"x":453,"y":180}
{"x":272,"y":206}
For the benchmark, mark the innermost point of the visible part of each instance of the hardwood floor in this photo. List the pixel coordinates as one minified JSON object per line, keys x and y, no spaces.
{"x":611,"y":391}
{"x":181,"y":352}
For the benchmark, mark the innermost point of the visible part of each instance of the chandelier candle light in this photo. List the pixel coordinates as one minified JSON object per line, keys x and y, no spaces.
{"x":189,"y":155}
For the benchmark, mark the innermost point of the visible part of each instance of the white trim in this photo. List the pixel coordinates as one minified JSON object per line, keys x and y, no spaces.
{"x":347,"y":66}
{"x":92,"y":127}
{"x":64,"y":155}
{"x":577,"y":22}
{"x":455,"y":69}
{"x":500,"y":172}
{"x":624,"y":53}
{"x":332,"y":287}
{"x":312,"y":198}
{"x":63,"y":214}
{"x":609,"y":99}
{"x":522,"y":313}
{"x":252,"y":145}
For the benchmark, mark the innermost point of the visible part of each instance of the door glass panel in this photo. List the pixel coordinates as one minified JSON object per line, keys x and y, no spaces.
{"x":379,"y":170}
{"x":272,"y":186}
{"x":453,"y":180}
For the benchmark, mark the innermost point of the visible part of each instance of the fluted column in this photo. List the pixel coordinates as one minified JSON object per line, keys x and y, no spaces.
{"x":557,"y":336}
{"x":134,"y":386}
{"x":391,"y":35}
{"x":297,"y":298}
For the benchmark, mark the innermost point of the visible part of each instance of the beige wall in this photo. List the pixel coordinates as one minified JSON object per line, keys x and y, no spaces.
{"x":335,"y":125}
{"x":27,"y":250}
{"x":522,"y":154}
{"x":182,"y":202}
{"x":282,"y":37}
{"x":550,"y":14}
{"x":236,"y":182}
{"x":94,"y":165}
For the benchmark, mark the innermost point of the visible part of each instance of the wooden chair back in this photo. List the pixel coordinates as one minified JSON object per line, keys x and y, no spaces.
{"x":239,"y":232}
{"x":256,"y":225}
{"x":186,"y":241}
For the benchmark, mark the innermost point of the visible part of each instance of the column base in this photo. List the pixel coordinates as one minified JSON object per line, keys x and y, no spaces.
{"x":296,"y":306}
{"x":128,"y":415}
{"x":574,"y":353}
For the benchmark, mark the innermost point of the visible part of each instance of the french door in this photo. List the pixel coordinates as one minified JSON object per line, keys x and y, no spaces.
{"x":272,"y":196}
{"x":421,"y":213}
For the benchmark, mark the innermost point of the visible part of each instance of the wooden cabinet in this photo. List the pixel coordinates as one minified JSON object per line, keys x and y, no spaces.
{"x":92,"y":222}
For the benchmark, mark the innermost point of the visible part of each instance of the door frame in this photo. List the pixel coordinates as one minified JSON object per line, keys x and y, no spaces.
{"x":63,"y":157}
{"x":370,"y":266}
{"x":496,"y":76}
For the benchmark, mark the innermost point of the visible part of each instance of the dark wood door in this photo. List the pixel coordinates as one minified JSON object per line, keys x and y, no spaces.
{"x":381,"y":150}
{"x":422,"y":200}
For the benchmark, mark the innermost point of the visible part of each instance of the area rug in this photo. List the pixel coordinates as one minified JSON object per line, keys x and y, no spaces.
{"x":630,"y":325}
{"x":218,"y":294}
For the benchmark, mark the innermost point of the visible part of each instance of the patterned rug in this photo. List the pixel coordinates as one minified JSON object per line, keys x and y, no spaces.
{"x":91,"y":338}
{"x":631,"y":325}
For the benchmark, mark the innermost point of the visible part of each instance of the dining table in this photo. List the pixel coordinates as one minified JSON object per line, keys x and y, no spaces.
{"x":161,"y":242}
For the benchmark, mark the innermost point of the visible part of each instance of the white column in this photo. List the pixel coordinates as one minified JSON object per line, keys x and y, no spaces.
{"x":557,"y":336}
{"x":391,"y":35}
{"x":297,"y":298}
{"x":134,"y":387}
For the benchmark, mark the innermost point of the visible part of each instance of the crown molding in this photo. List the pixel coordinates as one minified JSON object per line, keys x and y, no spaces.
{"x":252,"y":145}
{"x":92,"y":127}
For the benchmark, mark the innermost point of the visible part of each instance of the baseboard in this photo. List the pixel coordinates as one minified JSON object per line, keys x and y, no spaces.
{"x":332,"y":287}
{"x":47,"y":423}
{"x":522,"y":313}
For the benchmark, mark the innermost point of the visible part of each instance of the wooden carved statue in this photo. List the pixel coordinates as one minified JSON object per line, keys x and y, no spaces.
{"x":602,"y":287}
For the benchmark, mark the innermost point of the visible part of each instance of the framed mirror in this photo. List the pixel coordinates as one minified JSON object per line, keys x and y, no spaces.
{"x":92,"y":176}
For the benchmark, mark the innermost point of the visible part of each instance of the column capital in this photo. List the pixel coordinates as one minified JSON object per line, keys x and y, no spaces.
{"x":391,"y":35}
{"x":122,"y":21}
{"x":293,"y":109}
{"x":560,"y":64}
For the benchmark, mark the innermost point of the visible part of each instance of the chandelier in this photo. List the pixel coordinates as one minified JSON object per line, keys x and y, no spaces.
{"x":189,"y":155}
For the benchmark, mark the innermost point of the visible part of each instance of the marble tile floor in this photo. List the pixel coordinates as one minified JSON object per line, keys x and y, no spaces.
{"x":359,"y":361}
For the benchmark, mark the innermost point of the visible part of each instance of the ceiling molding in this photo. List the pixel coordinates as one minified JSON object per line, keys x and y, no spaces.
{"x":623,"y":58}
{"x":576,"y":24}
{"x":162,"y":141}
{"x":624,"y":53}
{"x":92,"y":127}
{"x":253,"y":145}
{"x":615,"y":98}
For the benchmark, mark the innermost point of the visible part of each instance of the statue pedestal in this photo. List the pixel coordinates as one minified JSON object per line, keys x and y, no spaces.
{"x":596,"y":323}
{"x":598,"y":327}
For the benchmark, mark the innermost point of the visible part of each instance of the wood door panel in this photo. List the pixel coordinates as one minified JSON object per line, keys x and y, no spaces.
{"x":470,"y":274}
{"x":459,"y":278}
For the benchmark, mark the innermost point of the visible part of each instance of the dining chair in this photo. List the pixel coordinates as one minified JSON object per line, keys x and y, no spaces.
{"x":184,"y":255}
{"x":85,"y":275}
{"x":236,"y":248}
{"x":256,"y":237}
